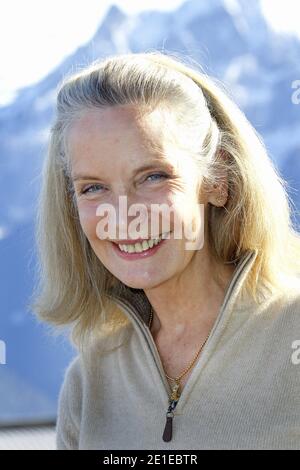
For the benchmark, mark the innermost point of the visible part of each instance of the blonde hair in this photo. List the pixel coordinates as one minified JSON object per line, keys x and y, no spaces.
{"x":72,"y":282}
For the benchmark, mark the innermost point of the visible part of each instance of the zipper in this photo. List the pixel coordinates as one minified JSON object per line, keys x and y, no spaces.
{"x":167,"y":434}
{"x":172,"y":398}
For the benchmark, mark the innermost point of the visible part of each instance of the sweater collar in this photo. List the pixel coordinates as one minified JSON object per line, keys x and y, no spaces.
{"x":140,"y":306}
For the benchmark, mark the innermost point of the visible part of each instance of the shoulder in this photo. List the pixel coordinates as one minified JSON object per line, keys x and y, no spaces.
{"x":73,"y":376}
{"x":77,"y":378}
{"x":280,"y":315}
{"x":69,"y":406}
{"x":82,"y":380}
{"x":290,"y":301}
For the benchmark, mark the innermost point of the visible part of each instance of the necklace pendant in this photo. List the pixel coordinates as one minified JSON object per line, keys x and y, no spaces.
{"x":175,"y":392}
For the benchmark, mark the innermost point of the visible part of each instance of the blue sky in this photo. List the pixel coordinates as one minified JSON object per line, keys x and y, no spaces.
{"x":35,"y":35}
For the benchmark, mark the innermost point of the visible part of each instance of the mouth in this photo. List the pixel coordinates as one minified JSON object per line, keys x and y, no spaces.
{"x":140,"y":249}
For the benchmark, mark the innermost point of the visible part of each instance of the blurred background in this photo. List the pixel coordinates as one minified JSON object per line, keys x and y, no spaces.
{"x":252,"y":47}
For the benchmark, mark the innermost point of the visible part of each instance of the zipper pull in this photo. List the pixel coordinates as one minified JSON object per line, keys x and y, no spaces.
{"x":167,"y":435}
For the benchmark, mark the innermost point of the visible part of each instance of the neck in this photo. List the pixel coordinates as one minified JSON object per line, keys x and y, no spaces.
{"x":189,"y":304}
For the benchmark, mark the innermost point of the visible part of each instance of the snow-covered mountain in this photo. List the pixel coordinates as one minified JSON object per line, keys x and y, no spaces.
{"x":231,"y":41}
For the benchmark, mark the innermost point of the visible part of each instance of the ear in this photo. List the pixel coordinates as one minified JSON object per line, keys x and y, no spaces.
{"x":217,"y":193}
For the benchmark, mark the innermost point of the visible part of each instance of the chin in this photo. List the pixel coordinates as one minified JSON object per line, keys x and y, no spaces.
{"x":139,"y":282}
{"x":135,"y":283}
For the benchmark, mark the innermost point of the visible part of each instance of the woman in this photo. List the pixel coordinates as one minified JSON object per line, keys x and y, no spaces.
{"x":180,"y":346}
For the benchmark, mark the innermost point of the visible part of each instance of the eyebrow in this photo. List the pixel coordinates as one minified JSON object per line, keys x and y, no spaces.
{"x":153,"y":164}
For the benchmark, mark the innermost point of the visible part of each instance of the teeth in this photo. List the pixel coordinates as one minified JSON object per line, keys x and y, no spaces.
{"x":151,"y":243}
{"x":145,"y":245}
{"x":139,"y":247}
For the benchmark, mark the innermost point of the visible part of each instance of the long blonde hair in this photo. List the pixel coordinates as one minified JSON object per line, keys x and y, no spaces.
{"x":72,"y":283}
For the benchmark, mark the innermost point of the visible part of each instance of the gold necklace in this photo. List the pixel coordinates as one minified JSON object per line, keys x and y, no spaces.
{"x":175,"y":394}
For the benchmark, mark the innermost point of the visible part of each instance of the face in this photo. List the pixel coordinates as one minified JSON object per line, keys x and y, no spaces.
{"x":121,"y":151}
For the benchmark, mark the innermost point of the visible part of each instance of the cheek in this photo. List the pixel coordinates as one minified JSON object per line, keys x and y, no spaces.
{"x":189,"y":218}
{"x":88,"y":219}
{"x":185,"y":206}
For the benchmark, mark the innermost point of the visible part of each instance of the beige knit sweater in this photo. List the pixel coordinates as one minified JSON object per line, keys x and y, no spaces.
{"x":243,"y":393}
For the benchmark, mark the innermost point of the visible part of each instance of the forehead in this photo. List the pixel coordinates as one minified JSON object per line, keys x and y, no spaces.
{"x":117,"y":126}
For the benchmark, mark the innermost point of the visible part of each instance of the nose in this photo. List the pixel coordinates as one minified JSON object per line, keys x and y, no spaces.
{"x":132,"y":218}
{"x":125,"y":218}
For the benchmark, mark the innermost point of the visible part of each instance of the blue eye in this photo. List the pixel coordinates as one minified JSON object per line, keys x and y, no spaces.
{"x":90,"y":189}
{"x":97,"y":187}
{"x":161,"y":175}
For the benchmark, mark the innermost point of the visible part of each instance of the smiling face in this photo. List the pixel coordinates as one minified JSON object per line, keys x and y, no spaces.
{"x":109,"y":151}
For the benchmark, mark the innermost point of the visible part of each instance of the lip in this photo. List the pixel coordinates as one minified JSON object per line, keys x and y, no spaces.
{"x":135,"y":256}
